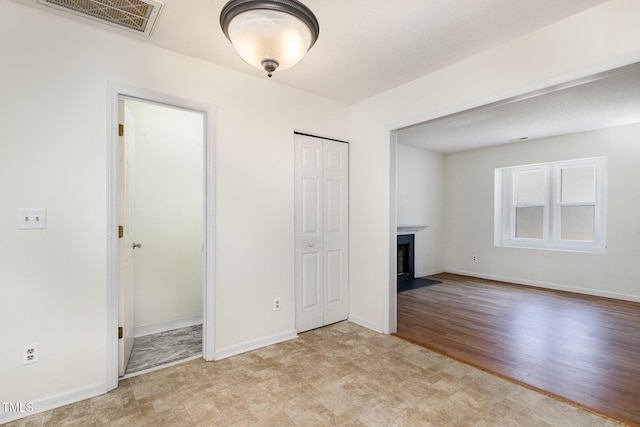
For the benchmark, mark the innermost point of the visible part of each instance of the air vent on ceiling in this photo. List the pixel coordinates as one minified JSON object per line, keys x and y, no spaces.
{"x":133,"y":15}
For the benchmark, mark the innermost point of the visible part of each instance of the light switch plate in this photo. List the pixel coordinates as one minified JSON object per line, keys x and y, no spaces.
{"x":32,"y":219}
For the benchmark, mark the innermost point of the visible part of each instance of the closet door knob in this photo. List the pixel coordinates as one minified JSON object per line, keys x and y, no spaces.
{"x":310,"y":244}
{"x":137,"y":245}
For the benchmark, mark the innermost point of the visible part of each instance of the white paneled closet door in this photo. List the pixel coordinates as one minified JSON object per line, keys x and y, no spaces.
{"x":321,"y":231}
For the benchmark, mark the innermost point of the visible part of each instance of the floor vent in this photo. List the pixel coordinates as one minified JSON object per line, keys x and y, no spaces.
{"x":133,"y":15}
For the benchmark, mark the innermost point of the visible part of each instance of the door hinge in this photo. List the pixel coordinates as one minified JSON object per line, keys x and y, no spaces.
{"x":120,"y":232}
{"x":120,"y":332}
{"x":120,"y":130}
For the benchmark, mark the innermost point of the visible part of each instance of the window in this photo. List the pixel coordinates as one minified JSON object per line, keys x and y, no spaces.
{"x":558,"y":206}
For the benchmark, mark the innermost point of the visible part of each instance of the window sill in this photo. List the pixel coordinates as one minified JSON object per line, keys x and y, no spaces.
{"x":596,"y":251}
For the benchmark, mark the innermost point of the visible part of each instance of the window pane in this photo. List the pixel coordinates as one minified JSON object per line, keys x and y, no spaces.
{"x":577,"y":223}
{"x":530,"y":187}
{"x":529,"y":222}
{"x":578,"y":184}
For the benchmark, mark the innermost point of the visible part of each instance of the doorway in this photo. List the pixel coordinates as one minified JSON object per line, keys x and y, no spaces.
{"x":161,"y":215}
{"x":166,"y":248}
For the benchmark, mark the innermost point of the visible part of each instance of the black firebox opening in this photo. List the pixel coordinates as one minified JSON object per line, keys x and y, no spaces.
{"x":405,"y":257}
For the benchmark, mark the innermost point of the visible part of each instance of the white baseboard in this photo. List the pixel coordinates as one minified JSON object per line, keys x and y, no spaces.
{"x":365,"y":323}
{"x":429,"y":273}
{"x":255,"y":344}
{"x":170,"y":325}
{"x":53,"y":402}
{"x":547,"y":285}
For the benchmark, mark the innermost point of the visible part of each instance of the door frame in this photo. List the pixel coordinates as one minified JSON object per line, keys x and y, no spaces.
{"x":114,"y":93}
{"x":585,"y":73}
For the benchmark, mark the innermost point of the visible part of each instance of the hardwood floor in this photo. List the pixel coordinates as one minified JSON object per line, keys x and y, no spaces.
{"x":578,"y":348}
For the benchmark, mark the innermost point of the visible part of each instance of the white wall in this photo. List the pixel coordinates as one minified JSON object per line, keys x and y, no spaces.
{"x":53,"y":154}
{"x":595,"y":40}
{"x":53,"y":110}
{"x":168,"y":212}
{"x":420,"y":197}
{"x":469,"y":209}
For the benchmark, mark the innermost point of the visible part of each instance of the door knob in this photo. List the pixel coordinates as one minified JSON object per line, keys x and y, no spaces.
{"x":310,"y":244}
{"x":137,"y":245}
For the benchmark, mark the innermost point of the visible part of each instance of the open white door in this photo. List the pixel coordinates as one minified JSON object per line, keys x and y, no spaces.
{"x":321,"y":232}
{"x":126,"y":244}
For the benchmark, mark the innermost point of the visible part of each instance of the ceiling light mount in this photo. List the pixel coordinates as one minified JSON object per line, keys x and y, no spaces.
{"x":269,"y":34}
{"x":270,"y":66}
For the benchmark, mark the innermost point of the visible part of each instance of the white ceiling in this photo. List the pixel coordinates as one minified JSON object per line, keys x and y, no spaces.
{"x":365,"y":46}
{"x":610,"y":99}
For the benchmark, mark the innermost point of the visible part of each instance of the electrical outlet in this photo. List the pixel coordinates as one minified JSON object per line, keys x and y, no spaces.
{"x":276,"y":304}
{"x":29,"y":354}
{"x":32,"y":219}
{"x":474,"y":257}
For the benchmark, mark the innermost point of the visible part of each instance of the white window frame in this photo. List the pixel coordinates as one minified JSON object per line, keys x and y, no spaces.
{"x":506,"y":204}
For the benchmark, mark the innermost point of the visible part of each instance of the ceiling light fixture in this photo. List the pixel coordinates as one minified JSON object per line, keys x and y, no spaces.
{"x":270,"y":34}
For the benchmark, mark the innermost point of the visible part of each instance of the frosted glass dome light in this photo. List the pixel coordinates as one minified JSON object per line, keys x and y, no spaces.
{"x":269,"y":35}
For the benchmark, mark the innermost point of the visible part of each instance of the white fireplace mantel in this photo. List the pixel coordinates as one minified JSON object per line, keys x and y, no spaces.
{"x":410,"y":228}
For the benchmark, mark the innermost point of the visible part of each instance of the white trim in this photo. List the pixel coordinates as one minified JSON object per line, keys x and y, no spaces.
{"x":114,"y":92}
{"x":366,"y":324}
{"x":209,"y":295}
{"x":154,"y":328}
{"x":56,"y":401}
{"x":389,"y":289}
{"x":112,"y":238}
{"x":409,"y":229}
{"x":548,"y":285}
{"x":429,"y":273}
{"x":255,"y":344}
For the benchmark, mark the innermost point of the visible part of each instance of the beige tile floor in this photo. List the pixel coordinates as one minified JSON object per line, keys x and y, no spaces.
{"x":339,"y":375}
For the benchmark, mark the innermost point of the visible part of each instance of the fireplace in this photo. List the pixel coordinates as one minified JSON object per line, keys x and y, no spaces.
{"x":405,"y":257}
